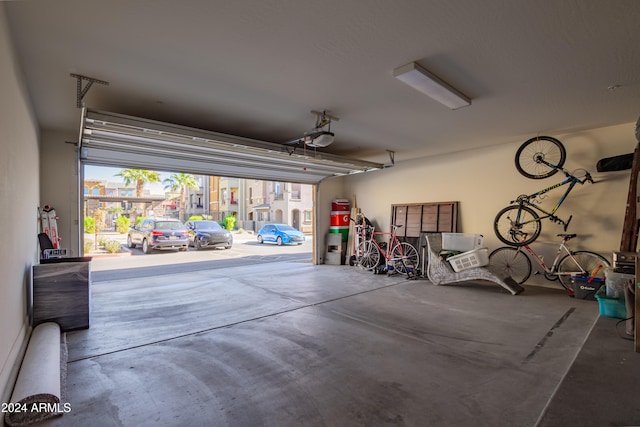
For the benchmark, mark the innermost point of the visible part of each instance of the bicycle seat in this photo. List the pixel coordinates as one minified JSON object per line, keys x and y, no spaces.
{"x":567,"y":236}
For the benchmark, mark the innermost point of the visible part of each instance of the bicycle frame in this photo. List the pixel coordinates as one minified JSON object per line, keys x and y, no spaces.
{"x":525,"y":200}
{"x":393,"y":253}
{"x":553,"y":270}
{"x":393,"y":241}
{"x":571,"y":180}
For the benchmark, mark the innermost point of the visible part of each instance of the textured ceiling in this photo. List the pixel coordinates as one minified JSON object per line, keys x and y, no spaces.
{"x":256,"y":68}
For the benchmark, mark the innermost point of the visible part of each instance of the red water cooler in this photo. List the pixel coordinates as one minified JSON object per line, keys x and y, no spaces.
{"x":340,"y":215}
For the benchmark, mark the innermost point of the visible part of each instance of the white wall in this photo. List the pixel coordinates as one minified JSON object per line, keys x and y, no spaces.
{"x":486,"y":180}
{"x":59,"y":184}
{"x":19,"y":196}
{"x":327,"y":191}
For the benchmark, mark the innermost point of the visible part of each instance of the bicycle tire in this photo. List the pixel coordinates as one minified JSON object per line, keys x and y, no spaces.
{"x":512,"y":262}
{"x":370,"y":257}
{"x":359,"y":250}
{"x":512,"y":234}
{"x":544,"y":148}
{"x":409,"y":254}
{"x":588,"y":262}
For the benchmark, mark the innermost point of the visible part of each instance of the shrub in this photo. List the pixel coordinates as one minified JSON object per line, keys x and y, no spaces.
{"x":88,"y":245}
{"x":89,"y":224}
{"x":122,"y":224}
{"x":229,"y":222}
{"x":112,"y":246}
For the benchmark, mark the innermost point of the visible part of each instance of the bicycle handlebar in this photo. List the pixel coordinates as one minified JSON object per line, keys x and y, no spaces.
{"x":587,"y":176}
{"x":371,"y":228}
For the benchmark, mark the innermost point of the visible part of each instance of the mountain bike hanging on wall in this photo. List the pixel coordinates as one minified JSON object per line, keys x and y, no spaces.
{"x":402,"y":258}
{"x":541,"y":157}
{"x":586,"y":265}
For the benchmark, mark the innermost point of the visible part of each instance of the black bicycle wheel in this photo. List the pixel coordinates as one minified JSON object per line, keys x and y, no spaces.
{"x":517,"y":225}
{"x":512,"y":262}
{"x":405,"y":258}
{"x":581,"y":263}
{"x":532,"y":157}
{"x":370,"y":257}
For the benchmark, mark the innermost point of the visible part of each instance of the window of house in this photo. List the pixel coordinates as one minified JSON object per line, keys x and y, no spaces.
{"x":277,"y":191}
{"x":296,"y":191}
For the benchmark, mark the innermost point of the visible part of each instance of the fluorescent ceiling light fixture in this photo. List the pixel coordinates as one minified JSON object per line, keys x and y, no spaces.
{"x":420,"y":79}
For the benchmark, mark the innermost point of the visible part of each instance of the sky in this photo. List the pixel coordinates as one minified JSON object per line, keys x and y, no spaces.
{"x":109,"y":174}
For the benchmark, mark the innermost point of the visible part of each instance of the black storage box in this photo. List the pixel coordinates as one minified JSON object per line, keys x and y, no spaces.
{"x":583,"y":289}
{"x":61,"y":292}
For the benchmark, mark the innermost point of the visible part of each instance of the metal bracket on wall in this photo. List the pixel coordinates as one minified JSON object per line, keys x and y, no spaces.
{"x":81,"y":92}
{"x":392,"y":157}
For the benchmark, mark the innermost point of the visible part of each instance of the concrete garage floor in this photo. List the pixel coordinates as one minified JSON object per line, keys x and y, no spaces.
{"x":293,"y":344}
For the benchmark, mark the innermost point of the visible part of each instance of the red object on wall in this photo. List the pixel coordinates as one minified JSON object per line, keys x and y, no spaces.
{"x":341,"y":205}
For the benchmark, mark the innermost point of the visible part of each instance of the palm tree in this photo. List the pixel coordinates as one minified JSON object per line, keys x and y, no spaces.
{"x":140,"y":177}
{"x":181,"y":181}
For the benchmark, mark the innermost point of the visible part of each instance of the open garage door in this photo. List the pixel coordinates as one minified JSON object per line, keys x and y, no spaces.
{"x":115,"y":139}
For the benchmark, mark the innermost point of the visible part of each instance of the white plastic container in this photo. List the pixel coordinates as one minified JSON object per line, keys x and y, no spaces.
{"x":615,"y":283}
{"x":462,"y":242}
{"x":470,"y":259}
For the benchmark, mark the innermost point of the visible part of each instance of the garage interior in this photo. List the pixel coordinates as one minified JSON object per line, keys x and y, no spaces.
{"x":337,"y":346}
{"x":329,"y":345}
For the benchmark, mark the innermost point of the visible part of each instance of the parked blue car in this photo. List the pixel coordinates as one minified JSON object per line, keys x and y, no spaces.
{"x":280,"y":234}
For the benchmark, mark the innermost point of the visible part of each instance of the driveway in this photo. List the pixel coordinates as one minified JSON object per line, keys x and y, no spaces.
{"x":245,"y":251}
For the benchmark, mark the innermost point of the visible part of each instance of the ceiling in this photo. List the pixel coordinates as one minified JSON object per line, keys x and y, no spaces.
{"x":257,"y":68}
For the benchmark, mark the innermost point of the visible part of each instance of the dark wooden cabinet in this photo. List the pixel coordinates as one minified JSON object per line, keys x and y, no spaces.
{"x":61,"y":293}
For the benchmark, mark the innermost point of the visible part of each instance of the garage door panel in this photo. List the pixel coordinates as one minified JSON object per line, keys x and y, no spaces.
{"x":113,"y":139}
{"x":169,"y":163}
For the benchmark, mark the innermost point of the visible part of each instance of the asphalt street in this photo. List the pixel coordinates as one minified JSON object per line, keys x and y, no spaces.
{"x":246,"y":250}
